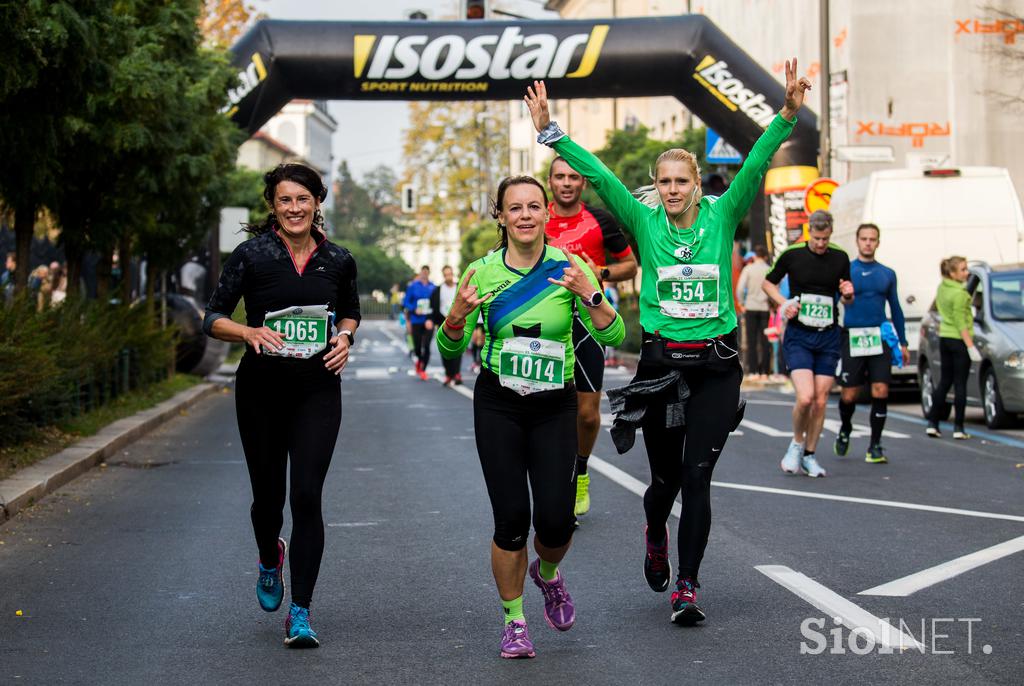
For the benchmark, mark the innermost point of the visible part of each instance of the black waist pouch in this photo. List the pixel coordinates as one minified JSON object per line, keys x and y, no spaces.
{"x":714,"y":353}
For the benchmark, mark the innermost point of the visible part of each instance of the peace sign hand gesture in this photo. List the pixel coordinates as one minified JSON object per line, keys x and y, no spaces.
{"x":795,"y":89}
{"x":575,"y":279}
{"x":537,"y":100}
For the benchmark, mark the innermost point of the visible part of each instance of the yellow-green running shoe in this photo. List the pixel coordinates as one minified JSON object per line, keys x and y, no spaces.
{"x":875,"y":455}
{"x":582,"y":494}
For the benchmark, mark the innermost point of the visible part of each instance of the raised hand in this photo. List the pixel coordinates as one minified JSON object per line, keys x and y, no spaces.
{"x":574,"y":279}
{"x":466,"y":300}
{"x":537,"y":100}
{"x":795,"y":89}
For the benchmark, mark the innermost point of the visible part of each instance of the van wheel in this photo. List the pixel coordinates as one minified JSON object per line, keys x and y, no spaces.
{"x":996,"y":417}
{"x":926,"y":383}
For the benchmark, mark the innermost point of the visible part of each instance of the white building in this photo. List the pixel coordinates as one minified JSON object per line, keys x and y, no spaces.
{"x":927,"y":77}
{"x":306,"y":127}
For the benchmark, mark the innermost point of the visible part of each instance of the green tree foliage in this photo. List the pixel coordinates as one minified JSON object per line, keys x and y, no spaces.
{"x":363,"y":220}
{"x":47,"y":60}
{"x":478,"y":240}
{"x":455,"y":154}
{"x":149,"y":166}
{"x":631,"y":156}
{"x":377,"y":269}
{"x":245,"y":189}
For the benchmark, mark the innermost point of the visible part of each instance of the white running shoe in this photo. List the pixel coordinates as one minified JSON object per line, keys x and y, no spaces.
{"x":791,"y":462}
{"x":810,"y":466}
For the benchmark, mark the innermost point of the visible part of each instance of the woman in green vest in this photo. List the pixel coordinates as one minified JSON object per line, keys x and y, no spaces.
{"x":956,"y":345}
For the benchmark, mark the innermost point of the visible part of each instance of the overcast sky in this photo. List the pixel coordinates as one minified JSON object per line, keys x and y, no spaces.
{"x":369,"y":133}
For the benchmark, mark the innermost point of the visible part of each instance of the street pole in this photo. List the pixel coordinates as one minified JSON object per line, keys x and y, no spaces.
{"x":824,"y":143}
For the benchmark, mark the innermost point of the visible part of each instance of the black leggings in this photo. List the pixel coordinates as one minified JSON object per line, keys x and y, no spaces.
{"x":522,"y":438}
{"x":756,"y":349}
{"x":956,"y":366}
{"x":288,"y":408}
{"x":684,"y":460}
{"x":421,"y":340}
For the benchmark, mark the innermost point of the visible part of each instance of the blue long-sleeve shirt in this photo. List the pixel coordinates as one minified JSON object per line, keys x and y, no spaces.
{"x":417,"y":301}
{"x":874,"y":284}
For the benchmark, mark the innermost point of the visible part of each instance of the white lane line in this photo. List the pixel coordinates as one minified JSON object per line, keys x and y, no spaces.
{"x":636,"y":486}
{"x":859,"y":430}
{"x":870,"y":501}
{"x":947,"y":570}
{"x":766,"y":430}
{"x":834,"y":605}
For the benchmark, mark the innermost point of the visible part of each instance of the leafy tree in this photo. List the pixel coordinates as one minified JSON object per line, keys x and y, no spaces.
{"x":222,"y":22}
{"x":377,"y":269}
{"x":364,"y":213}
{"x":455,"y":154}
{"x":477,"y":241}
{"x":148,"y":167}
{"x":48,"y":58}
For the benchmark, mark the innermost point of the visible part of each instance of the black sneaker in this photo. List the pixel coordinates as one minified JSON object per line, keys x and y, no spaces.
{"x":684,"y":603}
{"x":657,"y":568}
{"x":842,"y":444}
{"x":876,"y":455}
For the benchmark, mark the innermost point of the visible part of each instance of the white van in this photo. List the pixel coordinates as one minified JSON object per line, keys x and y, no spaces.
{"x":925,"y":215}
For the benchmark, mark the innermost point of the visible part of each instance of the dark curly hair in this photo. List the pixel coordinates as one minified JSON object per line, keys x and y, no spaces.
{"x":498,"y":205}
{"x":296,"y":173}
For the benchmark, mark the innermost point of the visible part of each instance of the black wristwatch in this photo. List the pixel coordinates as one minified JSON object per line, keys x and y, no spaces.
{"x":348,"y":334}
{"x":605,"y":273}
{"x":595,"y":300}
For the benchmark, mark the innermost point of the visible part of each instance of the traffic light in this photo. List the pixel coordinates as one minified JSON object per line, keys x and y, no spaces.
{"x":476,"y":9}
{"x":408,"y":198}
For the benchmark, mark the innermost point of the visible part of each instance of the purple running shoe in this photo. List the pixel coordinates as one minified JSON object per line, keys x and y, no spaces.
{"x":559,"y":611}
{"x":515,"y":641}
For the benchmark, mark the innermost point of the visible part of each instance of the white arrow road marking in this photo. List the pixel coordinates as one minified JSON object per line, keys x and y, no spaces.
{"x":834,"y":605}
{"x":947,"y":570}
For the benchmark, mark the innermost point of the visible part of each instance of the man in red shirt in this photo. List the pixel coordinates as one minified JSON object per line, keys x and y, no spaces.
{"x":593,"y":234}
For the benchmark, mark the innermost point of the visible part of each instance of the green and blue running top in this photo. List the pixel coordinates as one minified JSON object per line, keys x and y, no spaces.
{"x":527,"y":304}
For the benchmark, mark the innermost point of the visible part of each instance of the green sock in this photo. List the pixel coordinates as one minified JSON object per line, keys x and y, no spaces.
{"x":548,"y":570}
{"x":513,"y":609}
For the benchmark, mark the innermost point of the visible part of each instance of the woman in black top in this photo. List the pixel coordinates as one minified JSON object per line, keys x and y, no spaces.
{"x":302,"y":310}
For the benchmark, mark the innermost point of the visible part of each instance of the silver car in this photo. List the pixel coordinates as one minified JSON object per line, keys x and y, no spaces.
{"x":997,"y":382}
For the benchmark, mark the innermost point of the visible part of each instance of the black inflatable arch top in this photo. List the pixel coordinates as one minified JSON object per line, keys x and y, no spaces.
{"x":685,"y":56}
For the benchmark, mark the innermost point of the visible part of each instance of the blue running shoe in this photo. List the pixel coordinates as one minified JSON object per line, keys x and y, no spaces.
{"x":297,"y":632}
{"x":270,"y":584}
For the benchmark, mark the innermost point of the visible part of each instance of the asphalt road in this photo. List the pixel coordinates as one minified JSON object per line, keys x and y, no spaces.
{"x":142,"y":571}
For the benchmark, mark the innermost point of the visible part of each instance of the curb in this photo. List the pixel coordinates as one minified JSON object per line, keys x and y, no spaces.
{"x":29,"y":485}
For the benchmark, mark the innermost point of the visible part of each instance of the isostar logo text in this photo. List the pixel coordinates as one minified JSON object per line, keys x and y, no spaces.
{"x":540,"y":56}
{"x":248,"y":78}
{"x":714,"y":75}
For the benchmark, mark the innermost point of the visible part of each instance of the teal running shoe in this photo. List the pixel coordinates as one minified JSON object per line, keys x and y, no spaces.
{"x":270,"y":584}
{"x":297,"y":632}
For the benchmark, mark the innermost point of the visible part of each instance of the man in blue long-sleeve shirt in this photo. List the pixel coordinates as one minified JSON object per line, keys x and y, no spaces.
{"x":866,"y":353}
{"x":418,"y":310}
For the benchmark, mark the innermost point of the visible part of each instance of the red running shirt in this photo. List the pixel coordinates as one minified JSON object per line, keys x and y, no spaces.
{"x":591,"y":231}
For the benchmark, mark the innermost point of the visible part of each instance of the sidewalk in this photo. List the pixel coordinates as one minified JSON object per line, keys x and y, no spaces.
{"x":29,"y":485}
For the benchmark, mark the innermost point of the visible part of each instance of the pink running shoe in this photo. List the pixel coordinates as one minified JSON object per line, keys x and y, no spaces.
{"x":515,"y":641}
{"x":559,"y":611}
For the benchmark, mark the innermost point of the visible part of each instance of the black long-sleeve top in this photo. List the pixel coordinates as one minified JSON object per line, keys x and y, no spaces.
{"x":264,"y":272}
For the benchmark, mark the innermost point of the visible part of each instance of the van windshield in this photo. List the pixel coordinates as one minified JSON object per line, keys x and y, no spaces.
{"x":1007,"y":296}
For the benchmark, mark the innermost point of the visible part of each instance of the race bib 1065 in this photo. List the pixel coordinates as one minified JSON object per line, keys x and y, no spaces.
{"x":303,"y":328}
